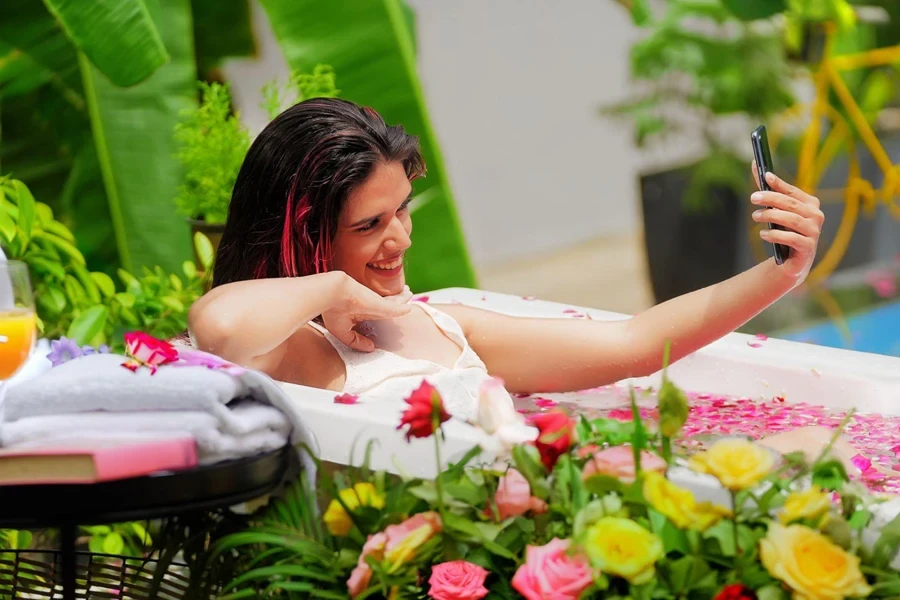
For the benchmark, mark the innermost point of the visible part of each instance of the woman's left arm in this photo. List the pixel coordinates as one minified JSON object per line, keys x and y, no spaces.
{"x":554,"y":355}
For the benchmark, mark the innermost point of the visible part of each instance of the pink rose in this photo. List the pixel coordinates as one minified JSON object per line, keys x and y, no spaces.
{"x":618,"y":462}
{"x":146,"y":350}
{"x":362,"y":573}
{"x":513,"y":497}
{"x":457,"y":580}
{"x":550,"y":573}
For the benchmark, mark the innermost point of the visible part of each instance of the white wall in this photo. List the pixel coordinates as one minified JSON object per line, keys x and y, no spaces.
{"x":513,"y":89}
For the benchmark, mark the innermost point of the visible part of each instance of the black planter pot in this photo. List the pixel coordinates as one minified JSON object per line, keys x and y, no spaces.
{"x":688,"y":249}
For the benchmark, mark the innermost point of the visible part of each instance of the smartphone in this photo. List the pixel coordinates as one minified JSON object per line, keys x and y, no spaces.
{"x":764,"y":165}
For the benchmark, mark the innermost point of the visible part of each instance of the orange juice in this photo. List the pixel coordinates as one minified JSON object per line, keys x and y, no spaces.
{"x":17,"y":333}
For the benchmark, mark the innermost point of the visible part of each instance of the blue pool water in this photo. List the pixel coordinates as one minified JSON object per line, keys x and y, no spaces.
{"x":876,"y":330}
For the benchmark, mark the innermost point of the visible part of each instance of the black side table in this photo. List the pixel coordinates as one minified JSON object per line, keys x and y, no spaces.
{"x":162,"y":494}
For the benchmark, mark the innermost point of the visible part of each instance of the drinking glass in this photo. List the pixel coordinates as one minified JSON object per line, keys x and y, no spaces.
{"x":17,"y":319}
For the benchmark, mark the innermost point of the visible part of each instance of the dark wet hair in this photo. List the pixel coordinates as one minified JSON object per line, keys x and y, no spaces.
{"x":293,"y":184}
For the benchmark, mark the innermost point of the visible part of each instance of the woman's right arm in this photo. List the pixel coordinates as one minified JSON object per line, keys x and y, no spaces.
{"x":250,"y":322}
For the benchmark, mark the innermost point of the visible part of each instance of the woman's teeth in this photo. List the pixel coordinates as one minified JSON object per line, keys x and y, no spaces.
{"x":387,"y":266}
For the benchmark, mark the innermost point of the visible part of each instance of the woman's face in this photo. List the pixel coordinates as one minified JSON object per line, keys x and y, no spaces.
{"x":373,"y":230}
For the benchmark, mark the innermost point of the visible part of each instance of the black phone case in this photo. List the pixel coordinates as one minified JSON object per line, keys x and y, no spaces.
{"x":760,"y":142}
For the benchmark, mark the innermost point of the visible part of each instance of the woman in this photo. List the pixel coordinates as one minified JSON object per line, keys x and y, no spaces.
{"x":309,"y":286}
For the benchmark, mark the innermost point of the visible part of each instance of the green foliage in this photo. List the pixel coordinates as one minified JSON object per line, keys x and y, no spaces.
{"x":321,"y":83}
{"x":75,"y":302}
{"x":213,"y":144}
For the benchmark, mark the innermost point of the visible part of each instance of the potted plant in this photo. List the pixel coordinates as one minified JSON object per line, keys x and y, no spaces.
{"x":692,"y":77}
{"x":213,"y":145}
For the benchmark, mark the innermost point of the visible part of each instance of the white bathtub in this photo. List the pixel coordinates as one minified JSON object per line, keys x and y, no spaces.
{"x":830,"y":377}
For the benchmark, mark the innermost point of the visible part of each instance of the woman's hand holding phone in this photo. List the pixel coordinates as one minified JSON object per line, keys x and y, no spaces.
{"x":799,"y":214}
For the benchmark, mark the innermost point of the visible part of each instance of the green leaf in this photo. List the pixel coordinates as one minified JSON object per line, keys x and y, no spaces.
{"x":772,"y":592}
{"x":859,"y":519}
{"x":603,"y":484}
{"x":754,"y":9}
{"x":528,"y":464}
{"x":830,"y":475}
{"x":673,"y":538}
{"x":686,"y":572}
{"x":372,"y":52}
{"x":7,"y":226}
{"x":640,"y":12}
{"x":118,"y":36}
{"x":888,"y":544}
{"x":54,"y":300}
{"x":88,"y":324}
{"x":204,"y":249}
{"x":113,"y":543}
{"x":133,"y":132}
{"x":126,"y":299}
{"x":453,"y":522}
{"x":104,"y":283}
{"x":141,"y":533}
{"x":173,"y":303}
{"x":25,"y":203}
{"x":721,"y":537}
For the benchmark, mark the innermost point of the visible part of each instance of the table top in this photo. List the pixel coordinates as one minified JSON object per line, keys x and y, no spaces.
{"x":161,"y":494}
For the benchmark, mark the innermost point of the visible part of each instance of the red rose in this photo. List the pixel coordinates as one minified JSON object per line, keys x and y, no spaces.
{"x":556,"y":433}
{"x":736,"y":591}
{"x":425,"y":413}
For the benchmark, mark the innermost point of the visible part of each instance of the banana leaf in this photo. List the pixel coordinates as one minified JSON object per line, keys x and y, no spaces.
{"x":118,"y":36}
{"x":370,"y":46}
{"x":132,"y":131}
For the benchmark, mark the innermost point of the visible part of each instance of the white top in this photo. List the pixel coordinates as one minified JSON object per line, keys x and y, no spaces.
{"x":384,"y":375}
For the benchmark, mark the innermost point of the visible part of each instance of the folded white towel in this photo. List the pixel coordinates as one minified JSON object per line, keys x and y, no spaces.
{"x":264,"y":429}
{"x":99,"y":383}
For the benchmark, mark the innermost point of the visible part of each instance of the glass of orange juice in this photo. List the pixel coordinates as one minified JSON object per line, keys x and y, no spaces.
{"x":17,"y":318}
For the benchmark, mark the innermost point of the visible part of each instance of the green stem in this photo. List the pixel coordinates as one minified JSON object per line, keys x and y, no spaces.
{"x":667,"y":449}
{"x":734,"y":529}
{"x":437,"y":479}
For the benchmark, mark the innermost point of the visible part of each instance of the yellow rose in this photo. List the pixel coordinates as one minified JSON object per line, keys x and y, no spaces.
{"x":679,"y":504}
{"x":808,"y":504}
{"x":336,"y":518}
{"x":621,"y":547}
{"x":811,"y":564}
{"x":736,"y":462}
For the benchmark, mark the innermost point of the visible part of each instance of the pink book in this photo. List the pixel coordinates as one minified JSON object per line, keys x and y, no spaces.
{"x":94,"y":461}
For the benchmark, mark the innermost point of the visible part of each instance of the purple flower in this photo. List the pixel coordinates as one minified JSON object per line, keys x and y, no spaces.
{"x":88,"y":350}
{"x":63,"y":350}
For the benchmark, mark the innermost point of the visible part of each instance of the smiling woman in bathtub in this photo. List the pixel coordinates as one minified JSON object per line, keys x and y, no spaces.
{"x":309,"y":284}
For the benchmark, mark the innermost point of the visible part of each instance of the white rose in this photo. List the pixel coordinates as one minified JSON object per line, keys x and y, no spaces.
{"x":497,"y":418}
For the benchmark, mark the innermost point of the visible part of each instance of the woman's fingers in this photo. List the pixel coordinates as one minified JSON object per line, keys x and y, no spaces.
{"x":801,"y":243}
{"x":385,"y":309}
{"x":789,"y":204}
{"x":779,"y":185}
{"x":803,"y":225}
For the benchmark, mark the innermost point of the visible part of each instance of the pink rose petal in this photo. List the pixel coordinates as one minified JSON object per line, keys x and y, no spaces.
{"x":346,"y":399}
